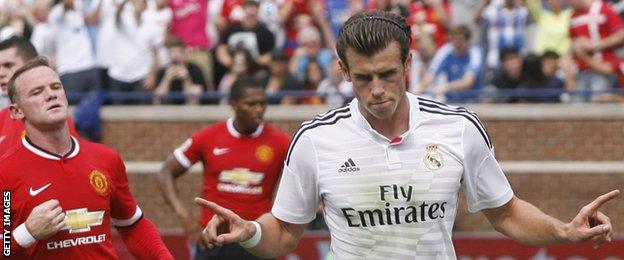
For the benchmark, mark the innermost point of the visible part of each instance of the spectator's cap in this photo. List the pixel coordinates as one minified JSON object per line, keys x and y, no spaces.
{"x":550,"y":54}
{"x":250,"y":3}
{"x":171,"y":42}
{"x":279,"y":56}
{"x":507,"y":52}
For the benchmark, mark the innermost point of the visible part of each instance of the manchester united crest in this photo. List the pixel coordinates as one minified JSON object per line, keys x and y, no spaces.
{"x":264,"y":153}
{"x":98,"y":182}
{"x":433,"y":158}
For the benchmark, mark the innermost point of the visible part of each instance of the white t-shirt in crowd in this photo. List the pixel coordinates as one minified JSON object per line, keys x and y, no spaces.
{"x":70,"y":39}
{"x":155,"y":25}
{"x":386,"y":198}
{"x":131,"y":59}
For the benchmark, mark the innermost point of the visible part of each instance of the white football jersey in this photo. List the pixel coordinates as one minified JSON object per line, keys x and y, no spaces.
{"x":390,"y":198}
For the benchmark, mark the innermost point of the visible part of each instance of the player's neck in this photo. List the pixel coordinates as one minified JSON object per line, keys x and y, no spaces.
{"x":55,"y":140}
{"x":395,"y":125}
{"x":242,"y":129}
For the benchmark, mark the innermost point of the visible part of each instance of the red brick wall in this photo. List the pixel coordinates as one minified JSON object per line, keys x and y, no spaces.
{"x":544,"y":140}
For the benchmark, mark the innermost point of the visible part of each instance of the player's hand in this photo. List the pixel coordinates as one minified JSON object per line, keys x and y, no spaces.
{"x":591,"y":223}
{"x":45,"y":220}
{"x":225,"y":227}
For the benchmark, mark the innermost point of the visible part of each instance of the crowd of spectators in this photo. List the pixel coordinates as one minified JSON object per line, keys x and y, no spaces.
{"x":190,"y":51}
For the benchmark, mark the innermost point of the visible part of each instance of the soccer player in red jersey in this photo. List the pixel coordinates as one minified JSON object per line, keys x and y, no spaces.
{"x":65,"y":193}
{"x":14,"y":52}
{"x":242,"y":159}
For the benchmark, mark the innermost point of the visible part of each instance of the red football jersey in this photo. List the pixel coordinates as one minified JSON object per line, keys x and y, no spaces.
{"x":91,"y":186}
{"x":595,"y":23}
{"x":12,"y":131}
{"x":240,"y":172}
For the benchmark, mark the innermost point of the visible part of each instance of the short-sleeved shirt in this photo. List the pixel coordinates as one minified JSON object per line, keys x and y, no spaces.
{"x":505,"y":29}
{"x":189,"y":22}
{"x":257,"y":41}
{"x":91,"y":185}
{"x":596,"y":22}
{"x":240,"y":172}
{"x":12,"y":131}
{"x":394,"y":198}
{"x":552,"y":30}
{"x":447,"y":61}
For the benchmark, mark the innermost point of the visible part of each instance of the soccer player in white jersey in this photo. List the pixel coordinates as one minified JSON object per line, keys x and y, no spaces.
{"x":388,"y":168}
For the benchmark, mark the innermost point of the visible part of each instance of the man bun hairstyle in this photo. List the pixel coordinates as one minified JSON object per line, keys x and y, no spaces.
{"x":368,"y":33}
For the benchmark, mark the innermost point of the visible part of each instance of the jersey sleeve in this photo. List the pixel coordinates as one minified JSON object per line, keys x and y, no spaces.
{"x":190,"y":151}
{"x":485,"y":183}
{"x":297,"y":197}
{"x":614,"y":21}
{"x":124,"y":209}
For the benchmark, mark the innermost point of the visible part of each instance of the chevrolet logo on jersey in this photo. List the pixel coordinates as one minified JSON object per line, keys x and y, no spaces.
{"x":241,"y":176}
{"x":81,"y":220}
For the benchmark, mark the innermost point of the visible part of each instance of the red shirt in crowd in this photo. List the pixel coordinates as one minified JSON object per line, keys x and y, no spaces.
{"x":430,"y":23}
{"x":596,"y":22}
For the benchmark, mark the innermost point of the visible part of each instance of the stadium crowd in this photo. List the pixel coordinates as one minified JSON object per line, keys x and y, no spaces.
{"x":191,"y":51}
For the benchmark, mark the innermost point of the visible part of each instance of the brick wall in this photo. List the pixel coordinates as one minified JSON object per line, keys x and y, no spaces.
{"x":549,"y":133}
{"x":514,"y":140}
{"x":560,"y":195}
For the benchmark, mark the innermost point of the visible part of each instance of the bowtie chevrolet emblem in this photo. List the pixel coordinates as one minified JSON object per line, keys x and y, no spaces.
{"x":81,"y":220}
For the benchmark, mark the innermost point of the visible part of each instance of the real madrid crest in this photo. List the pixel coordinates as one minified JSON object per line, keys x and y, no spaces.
{"x":433,"y":158}
{"x":98,"y":182}
{"x":264,"y":153}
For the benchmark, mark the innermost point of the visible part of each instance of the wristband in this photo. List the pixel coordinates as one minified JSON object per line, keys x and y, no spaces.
{"x":23,"y":237}
{"x":255,"y":239}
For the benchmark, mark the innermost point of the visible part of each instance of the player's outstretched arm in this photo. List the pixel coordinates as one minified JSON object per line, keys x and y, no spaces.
{"x":275,"y":237}
{"x":525,"y":223}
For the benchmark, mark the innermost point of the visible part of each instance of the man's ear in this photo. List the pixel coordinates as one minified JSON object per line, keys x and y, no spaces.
{"x":344,"y":71}
{"x":408,"y":63}
{"x":16,"y":112}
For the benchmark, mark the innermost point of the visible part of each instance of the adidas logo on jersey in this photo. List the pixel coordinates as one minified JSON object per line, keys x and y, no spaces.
{"x":349,"y":166}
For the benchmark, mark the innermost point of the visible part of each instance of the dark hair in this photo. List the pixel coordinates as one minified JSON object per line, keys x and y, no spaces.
{"x":250,"y":3}
{"x":550,"y":54}
{"x":368,"y":33}
{"x":244,"y":82}
{"x":29,"y":65}
{"x":463,"y":30}
{"x":278,"y":55}
{"x":307,"y":82}
{"x":172,"y":41}
{"x":25,"y":49}
{"x":252,"y":66}
{"x":507,"y":52}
